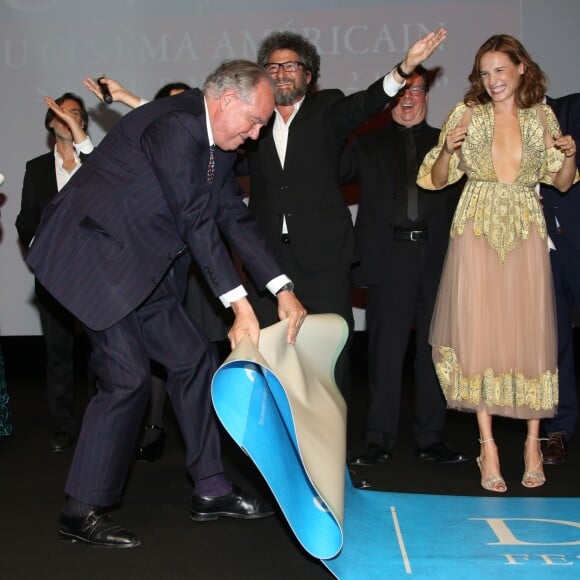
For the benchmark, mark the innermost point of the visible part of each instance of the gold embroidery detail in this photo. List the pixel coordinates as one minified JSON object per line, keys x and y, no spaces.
{"x":506,"y":390}
{"x":500,"y":212}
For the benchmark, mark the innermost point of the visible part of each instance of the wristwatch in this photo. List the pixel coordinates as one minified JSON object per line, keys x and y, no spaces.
{"x":402,"y":73}
{"x":289,"y":286}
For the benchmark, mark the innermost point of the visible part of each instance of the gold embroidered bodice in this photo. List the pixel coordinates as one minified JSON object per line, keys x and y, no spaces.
{"x":501,"y":212}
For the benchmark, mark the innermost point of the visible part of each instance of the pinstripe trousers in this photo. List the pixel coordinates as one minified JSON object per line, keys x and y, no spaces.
{"x":160,"y":330}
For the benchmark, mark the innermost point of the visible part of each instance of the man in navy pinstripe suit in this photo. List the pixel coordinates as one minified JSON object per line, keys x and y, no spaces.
{"x":113,"y":247}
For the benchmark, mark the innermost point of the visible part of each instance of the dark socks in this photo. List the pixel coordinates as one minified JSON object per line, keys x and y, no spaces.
{"x":76,"y":509}
{"x":213,"y":486}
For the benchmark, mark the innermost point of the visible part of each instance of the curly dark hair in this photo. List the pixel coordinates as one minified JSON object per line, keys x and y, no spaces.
{"x":50,"y":115}
{"x":286,"y":40}
{"x":533,"y":83}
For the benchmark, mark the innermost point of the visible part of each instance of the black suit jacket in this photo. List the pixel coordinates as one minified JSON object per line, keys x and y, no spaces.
{"x":139,"y":201}
{"x":38,"y":189}
{"x":307,"y":189}
{"x":371,"y":158}
{"x":565,"y":207}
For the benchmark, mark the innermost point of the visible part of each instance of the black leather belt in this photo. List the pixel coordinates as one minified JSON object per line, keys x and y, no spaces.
{"x":408,"y":235}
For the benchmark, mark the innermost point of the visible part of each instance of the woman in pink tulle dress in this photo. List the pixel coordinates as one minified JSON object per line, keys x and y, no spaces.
{"x":493,"y":330}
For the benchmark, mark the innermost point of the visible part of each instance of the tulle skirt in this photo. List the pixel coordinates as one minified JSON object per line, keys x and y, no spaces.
{"x":493,"y":330}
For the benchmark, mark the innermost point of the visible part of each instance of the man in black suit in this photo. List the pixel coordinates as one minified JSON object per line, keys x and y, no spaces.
{"x":44,"y":177}
{"x":562,"y":213}
{"x":114,"y":248}
{"x":295,"y":191}
{"x":402,"y":234}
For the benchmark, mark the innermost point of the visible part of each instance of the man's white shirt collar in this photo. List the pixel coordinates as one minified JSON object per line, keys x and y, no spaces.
{"x":209,"y":133}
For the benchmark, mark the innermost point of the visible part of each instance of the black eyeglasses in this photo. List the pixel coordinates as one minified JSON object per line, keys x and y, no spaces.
{"x":290,"y":66}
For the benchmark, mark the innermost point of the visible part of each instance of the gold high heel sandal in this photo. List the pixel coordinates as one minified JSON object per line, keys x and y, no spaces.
{"x":534,"y":477}
{"x":494,"y":483}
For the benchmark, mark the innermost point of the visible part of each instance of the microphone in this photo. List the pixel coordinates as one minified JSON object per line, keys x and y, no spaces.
{"x":104,"y":90}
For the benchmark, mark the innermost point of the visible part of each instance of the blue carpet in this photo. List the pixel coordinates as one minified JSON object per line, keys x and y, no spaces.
{"x":288,"y":420}
{"x":398,"y":535}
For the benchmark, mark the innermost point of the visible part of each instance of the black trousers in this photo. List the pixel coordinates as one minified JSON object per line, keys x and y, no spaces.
{"x":402,"y":303}
{"x":58,"y":329}
{"x":566,"y":274}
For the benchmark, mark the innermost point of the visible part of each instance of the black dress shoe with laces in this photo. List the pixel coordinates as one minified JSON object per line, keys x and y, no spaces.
{"x":61,"y":441}
{"x":554,"y":451}
{"x":96,"y":529}
{"x":373,"y":455}
{"x":235,"y":504}
{"x":440,"y":453}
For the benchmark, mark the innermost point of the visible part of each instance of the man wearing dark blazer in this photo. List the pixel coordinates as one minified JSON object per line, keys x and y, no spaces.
{"x":295,"y":191}
{"x":562,"y":213}
{"x":43,"y":177}
{"x":114,"y":246}
{"x":402,"y":234}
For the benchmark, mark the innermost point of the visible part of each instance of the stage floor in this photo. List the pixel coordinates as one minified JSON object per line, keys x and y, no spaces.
{"x":452,"y":526}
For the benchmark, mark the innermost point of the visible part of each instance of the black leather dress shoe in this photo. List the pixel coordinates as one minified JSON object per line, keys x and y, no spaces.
{"x":96,"y":529}
{"x":235,"y":504}
{"x":440,"y":453}
{"x":554,"y":450}
{"x":358,"y":481}
{"x":373,"y":455}
{"x":154,"y":450}
{"x":60,"y":442}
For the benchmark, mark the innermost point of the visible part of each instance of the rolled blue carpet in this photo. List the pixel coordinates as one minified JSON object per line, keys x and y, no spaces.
{"x":280,"y":404}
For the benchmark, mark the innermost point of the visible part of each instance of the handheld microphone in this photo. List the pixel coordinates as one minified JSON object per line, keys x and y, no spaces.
{"x":107,"y":98}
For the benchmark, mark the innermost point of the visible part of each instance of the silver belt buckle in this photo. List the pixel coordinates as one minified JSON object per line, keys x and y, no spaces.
{"x":413,"y":233}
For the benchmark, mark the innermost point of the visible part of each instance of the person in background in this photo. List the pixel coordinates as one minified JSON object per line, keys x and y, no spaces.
{"x":401,"y":232}
{"x":5,"y":419}
{"x":494,"y":330}
{"x":114,"y":248}
{"x":66,"y":120}
{"x":295,"y":191}
{"x":170,"y":89}
{"x":201,"y":306}
{"x":562,"y":213}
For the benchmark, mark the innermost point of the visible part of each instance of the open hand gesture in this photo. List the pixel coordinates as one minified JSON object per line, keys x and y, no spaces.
{"x":422,"y":50}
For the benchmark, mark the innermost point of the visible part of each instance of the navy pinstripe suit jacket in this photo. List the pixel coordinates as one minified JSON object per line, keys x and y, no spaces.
{"x":139,"y":202}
